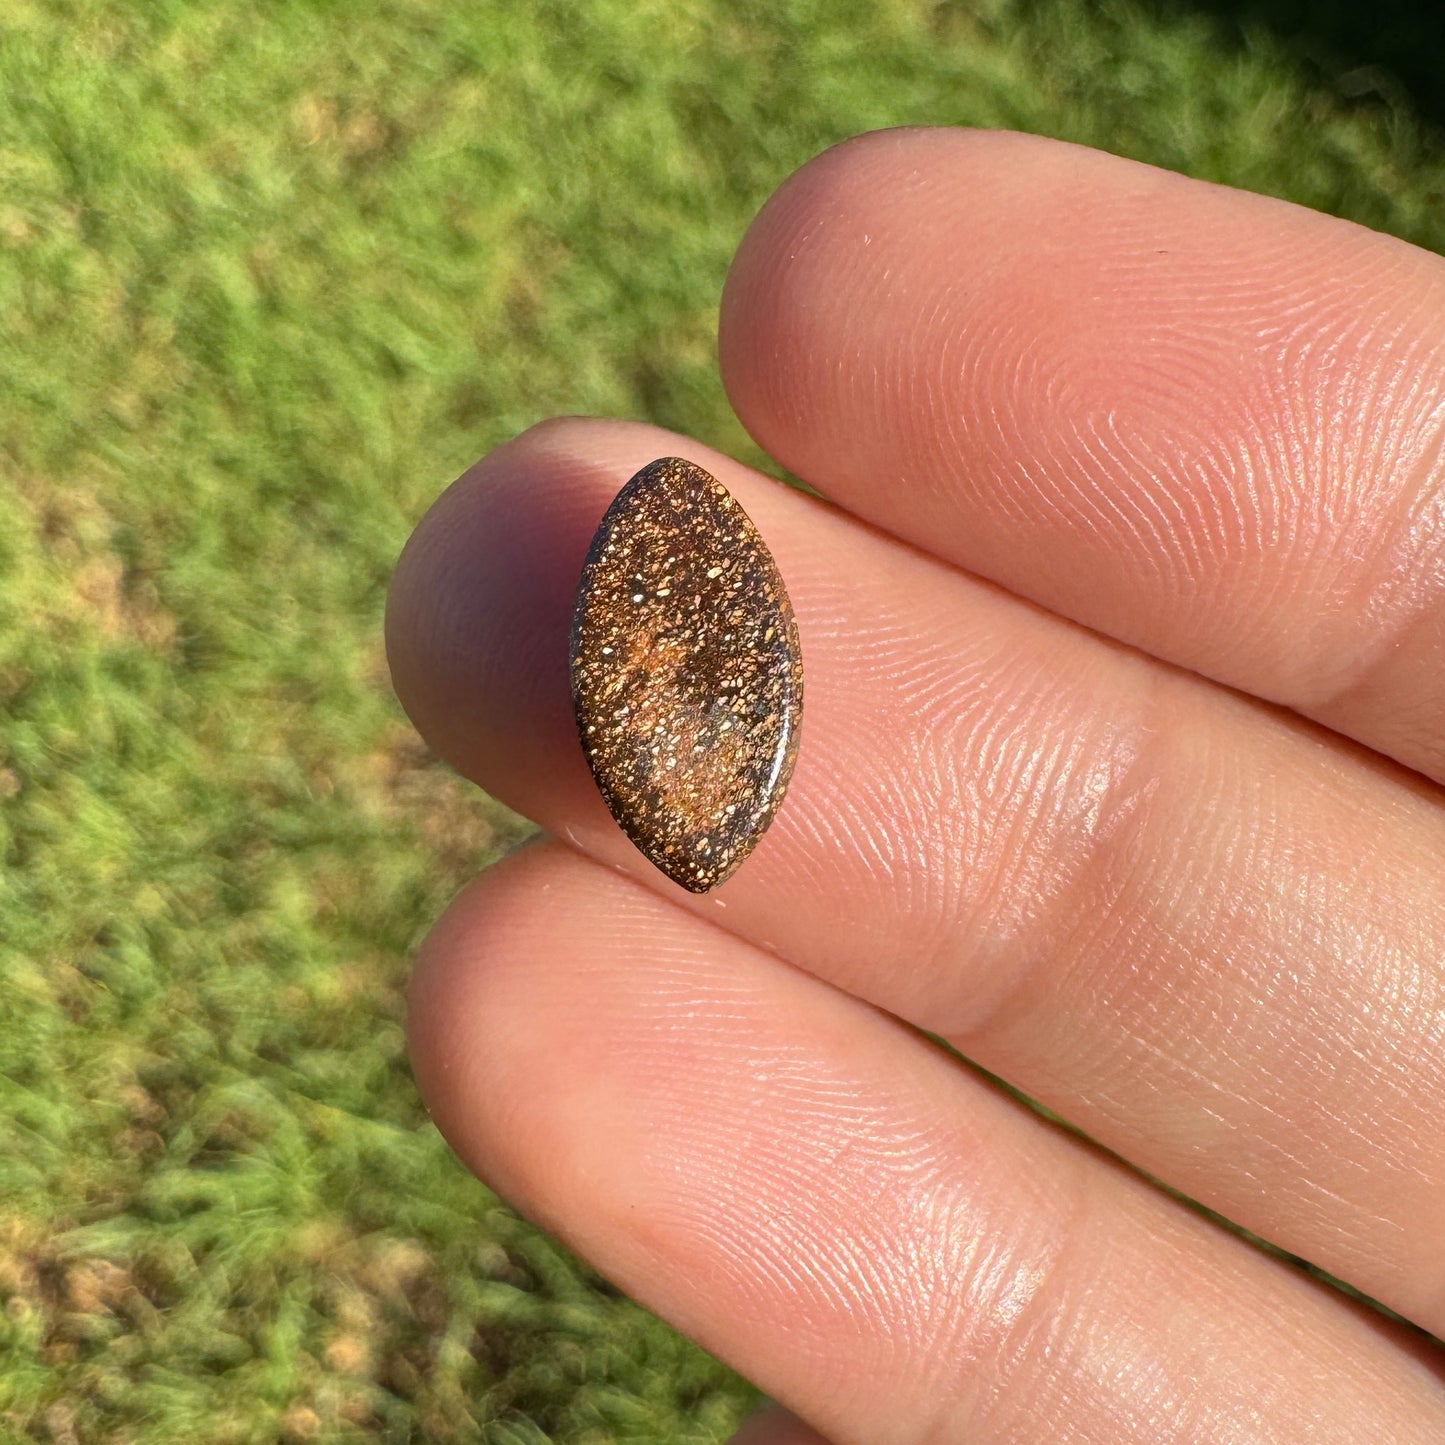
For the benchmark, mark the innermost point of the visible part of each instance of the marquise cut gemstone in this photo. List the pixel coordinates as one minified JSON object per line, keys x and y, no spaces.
{"x":687,"y":679}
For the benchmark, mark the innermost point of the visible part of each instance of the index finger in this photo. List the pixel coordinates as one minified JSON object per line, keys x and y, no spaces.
{"x":1208,"y":423}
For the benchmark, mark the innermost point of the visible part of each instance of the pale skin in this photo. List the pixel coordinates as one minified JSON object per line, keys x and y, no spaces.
{"x":1122,"y":769}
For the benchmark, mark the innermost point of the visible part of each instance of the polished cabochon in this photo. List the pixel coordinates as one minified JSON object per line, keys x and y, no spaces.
{"x":687,"y":676}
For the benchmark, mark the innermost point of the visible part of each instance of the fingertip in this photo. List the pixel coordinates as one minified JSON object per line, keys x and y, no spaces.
{"x":1197,"y":419}
{"x":813,"y":249}
{"x":480,"y":609}
{"x":479,"y":606}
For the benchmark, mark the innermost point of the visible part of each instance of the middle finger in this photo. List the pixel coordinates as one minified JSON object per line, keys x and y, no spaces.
{"x":1201,"y":930}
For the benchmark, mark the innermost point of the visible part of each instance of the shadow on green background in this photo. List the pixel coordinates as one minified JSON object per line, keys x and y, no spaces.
{"x":1391,"y":51}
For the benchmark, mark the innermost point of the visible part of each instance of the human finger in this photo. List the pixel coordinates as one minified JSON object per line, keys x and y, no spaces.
{"x":878,"y":1238}
{"x":1195,"y":927}
{"x":1206,"y":422}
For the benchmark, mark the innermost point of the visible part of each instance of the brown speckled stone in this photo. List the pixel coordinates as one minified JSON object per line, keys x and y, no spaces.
{"x":687,"y":680}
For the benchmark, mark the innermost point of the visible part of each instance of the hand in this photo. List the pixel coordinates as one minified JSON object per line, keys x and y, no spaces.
{"x":1149,"y":823}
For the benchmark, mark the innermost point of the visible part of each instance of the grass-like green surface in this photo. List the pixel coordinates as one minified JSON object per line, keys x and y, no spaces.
{"x":270,"y":275}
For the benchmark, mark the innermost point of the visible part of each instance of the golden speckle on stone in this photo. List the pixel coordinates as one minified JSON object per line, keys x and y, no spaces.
{"x":687,"y":679}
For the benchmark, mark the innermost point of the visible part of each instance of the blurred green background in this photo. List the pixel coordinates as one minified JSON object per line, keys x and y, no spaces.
{"x":269,"y":277}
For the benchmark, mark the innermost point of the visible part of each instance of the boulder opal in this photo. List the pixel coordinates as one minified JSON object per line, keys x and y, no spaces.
{"x":687,"y":680}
